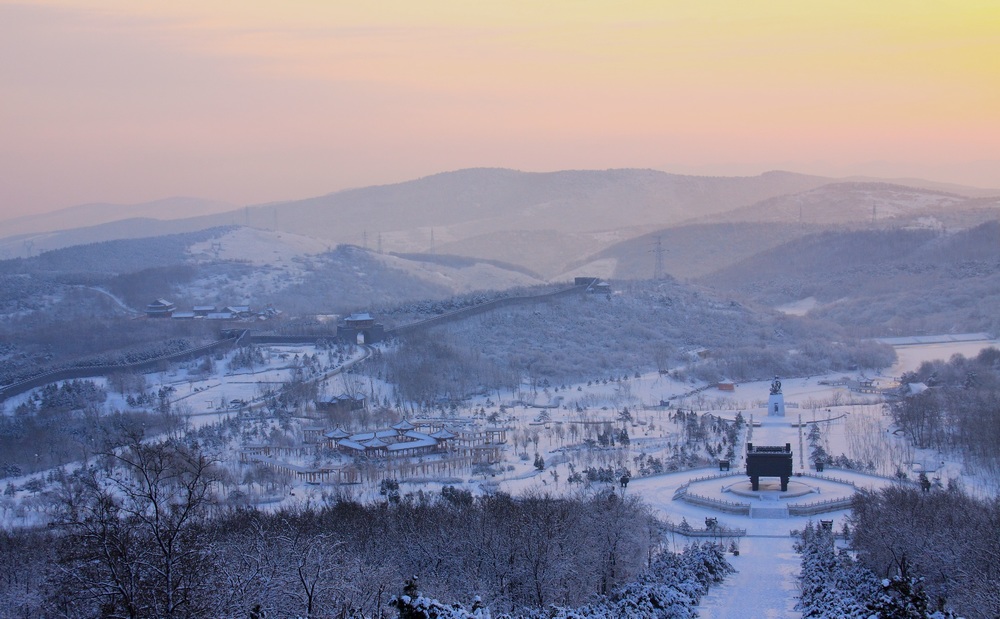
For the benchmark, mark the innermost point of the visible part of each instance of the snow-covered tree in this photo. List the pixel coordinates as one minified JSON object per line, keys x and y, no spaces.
{"x":832,"y":585}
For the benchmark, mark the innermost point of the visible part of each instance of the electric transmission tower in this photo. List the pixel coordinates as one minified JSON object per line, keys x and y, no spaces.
{"x":658,"y":255}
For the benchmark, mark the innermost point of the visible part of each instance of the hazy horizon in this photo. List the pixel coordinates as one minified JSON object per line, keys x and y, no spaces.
{"x":117,"y":102}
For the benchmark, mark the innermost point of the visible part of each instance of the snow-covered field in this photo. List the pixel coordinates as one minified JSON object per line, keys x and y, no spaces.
{"x":798,"y":308}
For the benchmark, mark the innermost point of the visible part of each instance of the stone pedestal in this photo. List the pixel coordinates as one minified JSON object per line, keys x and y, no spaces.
{"x":776,"y":405}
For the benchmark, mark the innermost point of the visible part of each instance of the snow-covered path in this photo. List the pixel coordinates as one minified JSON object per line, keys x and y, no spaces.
{"x":764,"y":586}
{"x":117,"y":300}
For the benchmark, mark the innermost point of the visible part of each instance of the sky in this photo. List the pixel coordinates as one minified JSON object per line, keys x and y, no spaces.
{"x":251,"y":101}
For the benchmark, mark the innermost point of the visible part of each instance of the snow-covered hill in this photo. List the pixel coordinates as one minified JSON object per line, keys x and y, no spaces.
{"x":257,"y":247}
{"x":840,"y":203}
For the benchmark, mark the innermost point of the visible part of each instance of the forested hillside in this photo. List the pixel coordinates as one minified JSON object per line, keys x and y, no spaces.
{"x":881,"y":282}
{"x":522,"y":556}
{"x":959,"y":412}
{"x":916,"y":553}
{"x":646,"y":326}
{"x":691,"y":250}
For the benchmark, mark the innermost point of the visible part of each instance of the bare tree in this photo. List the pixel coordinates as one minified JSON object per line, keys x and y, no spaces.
{"x":135,"y":544}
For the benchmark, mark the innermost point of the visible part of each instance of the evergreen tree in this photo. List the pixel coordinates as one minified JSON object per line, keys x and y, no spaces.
{"x":903,"y":597}
{"x":539,"y":462}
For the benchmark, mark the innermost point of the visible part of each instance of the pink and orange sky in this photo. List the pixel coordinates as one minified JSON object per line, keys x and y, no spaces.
{"x":249,"y":101}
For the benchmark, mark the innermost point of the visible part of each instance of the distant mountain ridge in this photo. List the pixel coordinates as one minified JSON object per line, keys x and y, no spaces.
{"x":841,"y":203}
{"x":707,"y":244}
{"x":850,"y":251}
{"x":448,"y":207}
{"x":415,"y":215}
{"x":688,"y":251}
{"x":237,"y":264}
{"x":553,"y":223}
{"x":86,"y":215}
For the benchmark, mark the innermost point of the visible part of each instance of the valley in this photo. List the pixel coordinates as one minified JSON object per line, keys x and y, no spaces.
{"x":544,"y":362}
{"x":481,"y":310}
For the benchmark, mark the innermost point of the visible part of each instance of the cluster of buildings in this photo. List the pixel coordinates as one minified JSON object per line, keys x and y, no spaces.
{"x":404,"y":450}
{"x":162,"y":308}
{"x":425,"y":437}
{"x":402,"y":439}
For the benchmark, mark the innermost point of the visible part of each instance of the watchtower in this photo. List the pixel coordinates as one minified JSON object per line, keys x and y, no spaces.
{"x":769,"y":461}
{"x":361,"y":329}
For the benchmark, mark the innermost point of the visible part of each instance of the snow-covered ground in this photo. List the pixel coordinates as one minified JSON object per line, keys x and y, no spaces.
{"x":284,"y":258}
{"x":766,"y":585}
{"x":910,"y":356}
{"x":207,"y":397}
{"x":245,"y":245}
{"x":798,"y":308}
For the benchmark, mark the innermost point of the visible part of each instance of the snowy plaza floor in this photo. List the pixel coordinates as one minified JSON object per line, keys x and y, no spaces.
{"x":765,"y":584}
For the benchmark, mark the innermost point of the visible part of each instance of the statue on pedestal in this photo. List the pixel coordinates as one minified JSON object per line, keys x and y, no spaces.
{"x":776,"y":401}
